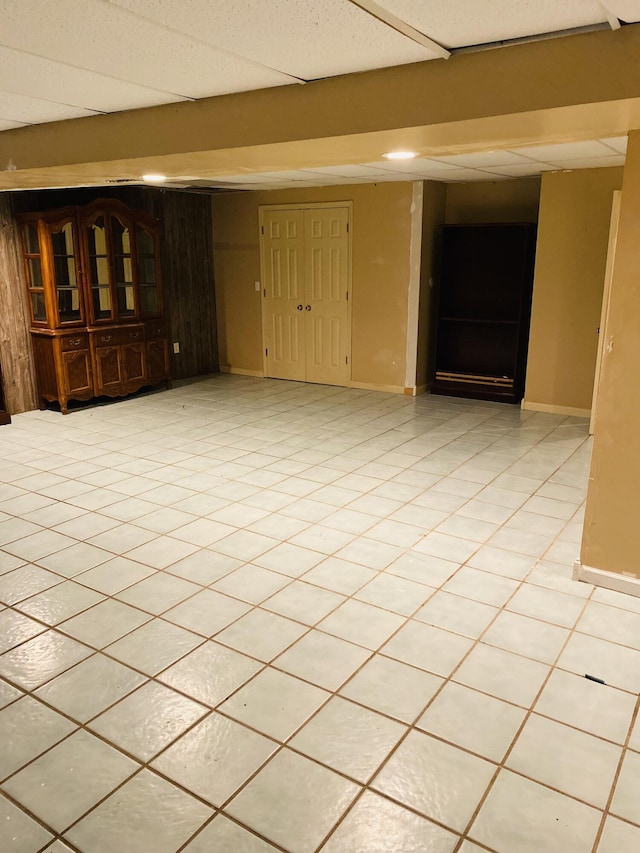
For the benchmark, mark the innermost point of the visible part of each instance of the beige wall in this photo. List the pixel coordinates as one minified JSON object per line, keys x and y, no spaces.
{"x":433,"y":208}
{"x":611,"y":538}
{"x":493,"y":201}
{"x":575,"y":211}
{"x":381,"y":234}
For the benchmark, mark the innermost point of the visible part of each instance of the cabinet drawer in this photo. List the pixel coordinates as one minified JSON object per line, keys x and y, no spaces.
{"x":74,"y":342}
{"x":155,"y":330}
{"x":116,"y":337}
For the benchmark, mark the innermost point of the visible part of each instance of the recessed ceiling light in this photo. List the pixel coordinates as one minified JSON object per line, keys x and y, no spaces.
{"x":400,"y":155}
{"x":154,"y":179}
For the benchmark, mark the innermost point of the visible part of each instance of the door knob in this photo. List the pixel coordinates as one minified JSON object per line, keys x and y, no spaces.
{"x":307,"y":307}
{"x":299,"y":308}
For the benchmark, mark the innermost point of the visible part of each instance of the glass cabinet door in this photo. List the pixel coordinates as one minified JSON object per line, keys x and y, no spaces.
{"x":65,"y":279}
{"x":98,"y":270}
{"x":147,"y":273}
{"x":122,"y":267}
{"x":33,"y":268}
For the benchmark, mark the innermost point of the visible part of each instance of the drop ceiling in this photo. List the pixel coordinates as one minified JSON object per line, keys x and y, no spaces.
{"x":79,"y":58}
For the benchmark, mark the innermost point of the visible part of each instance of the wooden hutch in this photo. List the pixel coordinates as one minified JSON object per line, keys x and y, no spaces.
{"x":93,"y":278}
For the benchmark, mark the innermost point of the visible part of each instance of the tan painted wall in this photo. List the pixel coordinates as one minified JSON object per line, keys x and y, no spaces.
{"x":381,"y":232}
{"x":493,"y":201}
{"x":575,"y":211}
{"x":611,"y":539}
{"x":433,"y":214}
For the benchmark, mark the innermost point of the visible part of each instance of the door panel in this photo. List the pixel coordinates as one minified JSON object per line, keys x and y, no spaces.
{"x":283,"y":258}
{"x":327,"y":282}
{"x":76,"y":372}
{"x":107,"y":369}
{"x":133,"y":363}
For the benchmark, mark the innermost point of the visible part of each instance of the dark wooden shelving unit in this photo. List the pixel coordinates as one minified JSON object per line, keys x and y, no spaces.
{"x":484,"y":310}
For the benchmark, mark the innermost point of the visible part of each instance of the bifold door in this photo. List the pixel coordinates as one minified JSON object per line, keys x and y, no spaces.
{"x":305,"y":257}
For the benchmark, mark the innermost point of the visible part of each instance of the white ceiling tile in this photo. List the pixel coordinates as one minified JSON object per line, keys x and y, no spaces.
{"x":626,"y":10}
{"x":37,"y":77}
{"x":524,"y":170}
{"x":565,"y":151}
{"x":618,"y":143}
{"x":415,"y":166}
{"x":19,"y":108}
{"x":100,"y":37}
{"x":591,"y":162}
{"x":306,"y":39}
{"x":463,"y":175}
{"x":481,"y":159}
{"x":349,"y":171}
{"x":457,"y":23}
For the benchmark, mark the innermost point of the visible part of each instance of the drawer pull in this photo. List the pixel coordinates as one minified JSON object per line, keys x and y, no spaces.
{"x":104,"y":339}
{"x":75,"y":342}
{"x":134,"y":335}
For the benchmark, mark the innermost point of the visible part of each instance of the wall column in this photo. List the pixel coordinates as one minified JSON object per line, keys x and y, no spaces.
{"x":611,"y":538}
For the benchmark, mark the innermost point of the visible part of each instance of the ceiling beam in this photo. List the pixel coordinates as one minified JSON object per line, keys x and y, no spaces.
{"x":401,"y":26}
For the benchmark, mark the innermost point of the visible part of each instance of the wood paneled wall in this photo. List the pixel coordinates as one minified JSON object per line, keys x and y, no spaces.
{"x":16,"y":355}
{"x":186,"y":261}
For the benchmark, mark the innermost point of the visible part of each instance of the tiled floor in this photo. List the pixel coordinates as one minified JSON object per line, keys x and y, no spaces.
{"x":251,"y":615}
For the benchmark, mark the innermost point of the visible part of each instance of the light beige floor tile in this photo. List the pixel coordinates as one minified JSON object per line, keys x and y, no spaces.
{"x":45,"y":656}
{"x":599,"y":709}
{"x":556,"y":755}
{"x":316,"y":798}
{"x":223,"y":834}
{"x":625,"y":799}
{"x":395,"y":593}
{"x":158,"y":593}
{"x":303,"y":601}
{"x":207,"y":612}
{"x":65,"y":782}
{"x":148,"y":813}
{"x":260,"y":634}
{"x":15,"y":628}
{"x":392,"y":687}
{"x":89,"y":687}
{"x":540,"y":819}
{"x":154,"y":646}
{"x":618,"y":836}
{"x":20,"y":832}
{"x":24,"y":582}
{"x":27,"y":729}
{"x":251,"y":583}
{"x":215,"y":758}
{"x":348,"y":738}
{"x":361,"y":623}
{"x":60,"y":602}
{"x":422,"y":768}
{"x":210,"y":673}
{"x":528,"y":637}
{"x":502,"y":674}
{"x":472,"y":720}
{"x":375,"y":821}
{"x":147,"y":720}
{"x":428,"y":648}
{"x":275,"y":703}
{"x":322,"y":660}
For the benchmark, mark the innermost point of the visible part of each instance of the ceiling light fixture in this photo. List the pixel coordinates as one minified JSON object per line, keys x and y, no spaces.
{"x":154,"y":179}
{"x":400,"y":155}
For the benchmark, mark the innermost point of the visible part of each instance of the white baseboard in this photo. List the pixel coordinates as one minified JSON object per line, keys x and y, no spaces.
{"x":609,"y":580}
{"x":530,"y":406}
{"x":241,"y":371}
{"x":371,"y":386}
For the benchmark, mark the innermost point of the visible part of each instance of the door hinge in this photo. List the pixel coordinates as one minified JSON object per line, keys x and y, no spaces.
{"x":262,"y":229}
{"x":347,"y":227}
{"x":265,"y":291}
{"x":346,"y":359}
{"x":266,"y":352}
{"x":347,"y":295}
